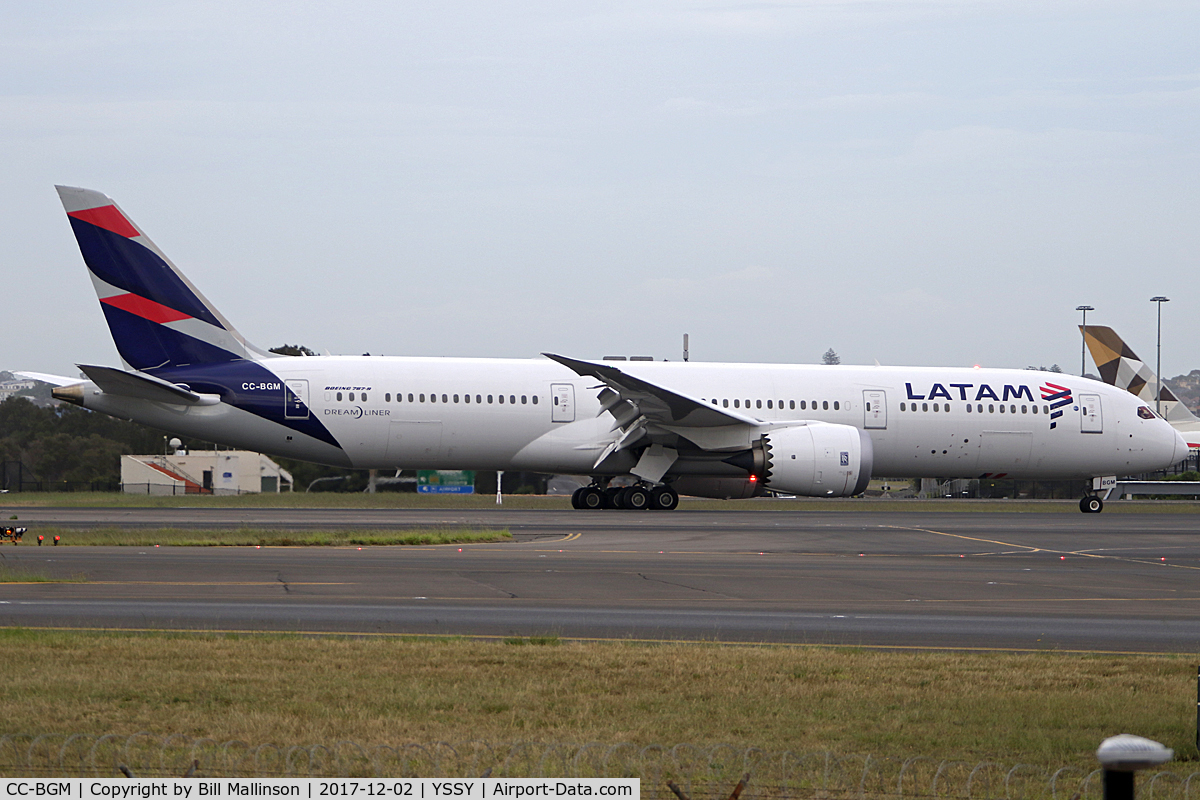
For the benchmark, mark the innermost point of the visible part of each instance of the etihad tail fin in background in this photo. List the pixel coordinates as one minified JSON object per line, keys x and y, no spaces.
{"x":1119,"y":366}
{"x":157,"y":318}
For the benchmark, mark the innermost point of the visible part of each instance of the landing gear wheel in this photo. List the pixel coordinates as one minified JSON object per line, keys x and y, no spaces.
{"x":1091,"y":505}
{"x":635,"y":498}
{"x":592,"y":498}
{"x":575,"y":497}
{"x":664,"y":498}
{"x":614,"y":497}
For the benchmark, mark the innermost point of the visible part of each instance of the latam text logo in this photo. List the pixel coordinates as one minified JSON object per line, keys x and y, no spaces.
{"x":965,"y":391}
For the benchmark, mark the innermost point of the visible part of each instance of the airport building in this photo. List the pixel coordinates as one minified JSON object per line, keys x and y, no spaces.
{"x":203,"y":472}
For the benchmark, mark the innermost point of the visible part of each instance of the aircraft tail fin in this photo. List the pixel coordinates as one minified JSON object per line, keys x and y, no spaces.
{"x":1119,"y":366}
{"x":157,"y":318}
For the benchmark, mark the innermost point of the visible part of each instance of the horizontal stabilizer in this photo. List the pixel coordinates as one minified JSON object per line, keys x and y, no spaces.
{"x":139,"y":385}
{"x":44,"y":377}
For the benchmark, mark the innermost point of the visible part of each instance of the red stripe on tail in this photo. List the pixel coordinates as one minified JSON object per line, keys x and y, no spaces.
{"x":109,"y":218}
{"x":146,"y":309}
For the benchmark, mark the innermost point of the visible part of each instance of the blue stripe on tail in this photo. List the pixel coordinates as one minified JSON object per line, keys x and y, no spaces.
{"x":149,"y":346}
{"x":128,"y":265}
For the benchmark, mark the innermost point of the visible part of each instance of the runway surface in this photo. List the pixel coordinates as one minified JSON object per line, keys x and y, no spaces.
{"x":1108,"y":582}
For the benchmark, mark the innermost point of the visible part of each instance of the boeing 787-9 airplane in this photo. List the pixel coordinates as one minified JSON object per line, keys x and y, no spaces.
{"x":725,"y":430}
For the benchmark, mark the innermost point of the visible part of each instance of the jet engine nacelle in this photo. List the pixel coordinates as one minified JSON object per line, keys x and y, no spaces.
{"x":819,"y":460}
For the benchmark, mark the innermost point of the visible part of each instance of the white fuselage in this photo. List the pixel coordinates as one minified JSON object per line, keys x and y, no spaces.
{"x":446,"y":413}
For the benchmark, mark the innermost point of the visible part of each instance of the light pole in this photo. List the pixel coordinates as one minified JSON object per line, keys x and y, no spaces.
{"x":1158,"y":368}
{"x":1083,"y":347}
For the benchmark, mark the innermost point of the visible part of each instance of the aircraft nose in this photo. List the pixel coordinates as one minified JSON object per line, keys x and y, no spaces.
{"x":1181,"y":447}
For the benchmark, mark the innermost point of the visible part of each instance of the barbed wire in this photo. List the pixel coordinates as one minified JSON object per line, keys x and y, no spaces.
{"x":698,"y":771}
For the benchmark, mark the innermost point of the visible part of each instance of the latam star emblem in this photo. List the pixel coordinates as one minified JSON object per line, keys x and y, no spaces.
{"x":1057,"y":396}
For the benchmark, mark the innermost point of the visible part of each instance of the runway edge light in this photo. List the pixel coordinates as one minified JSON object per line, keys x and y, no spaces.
{"x":1124,"y":754}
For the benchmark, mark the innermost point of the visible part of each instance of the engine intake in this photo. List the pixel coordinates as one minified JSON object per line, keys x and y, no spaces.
{"x":819,"y":459}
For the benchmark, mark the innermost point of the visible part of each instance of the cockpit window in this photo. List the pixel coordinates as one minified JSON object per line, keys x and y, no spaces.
{"x":1145,"y":413}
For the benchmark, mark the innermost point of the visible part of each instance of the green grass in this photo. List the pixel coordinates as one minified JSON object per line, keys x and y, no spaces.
{"x":1046,"y":708}
{"x":12,"y":503}
{"x":266,"y":537}
{"x":16,"y":573}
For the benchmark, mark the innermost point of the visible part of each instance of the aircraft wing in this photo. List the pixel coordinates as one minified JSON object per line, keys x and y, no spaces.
{"x":647,"y":413}
{"x":656,"y":403}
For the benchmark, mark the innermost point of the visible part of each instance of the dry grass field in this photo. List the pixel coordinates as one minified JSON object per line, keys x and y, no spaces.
{"x":266,"y":537}
{"x":1042,"y":708}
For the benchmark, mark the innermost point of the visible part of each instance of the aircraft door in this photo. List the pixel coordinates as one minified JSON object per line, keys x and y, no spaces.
{"x":1090,"y":414}
{"x":295,"y":399}
{"x":562,"y":402}
{"x":875,"y":409}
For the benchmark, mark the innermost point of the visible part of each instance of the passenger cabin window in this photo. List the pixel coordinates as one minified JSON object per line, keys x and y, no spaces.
{"x":535,"y":399}
{"x":725,"y":403}
{"x":387,"y":397}
{"x":489,"y":398}
{"x":364,"y":397}
{"x":824,"y":405}
{"x":479,"y":399}
{"x":523,"y":399}
{"x":422,"y":398}
{"x":352,"y":397}
{"x":501,"y":399}
{"x":339,"y":397}
{"x":444,"y":398}
{"x":836,"y":405}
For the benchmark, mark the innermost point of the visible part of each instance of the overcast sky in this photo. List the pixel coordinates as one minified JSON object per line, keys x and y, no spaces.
{"x":932,"y":183}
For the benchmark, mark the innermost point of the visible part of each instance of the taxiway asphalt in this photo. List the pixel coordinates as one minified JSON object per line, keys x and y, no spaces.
{"x":1053,"y":581}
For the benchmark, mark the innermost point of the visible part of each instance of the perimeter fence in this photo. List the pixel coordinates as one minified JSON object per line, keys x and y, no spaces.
{"x":697,"y":772}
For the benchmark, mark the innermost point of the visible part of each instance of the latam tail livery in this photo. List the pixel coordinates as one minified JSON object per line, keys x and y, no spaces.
{"x":705,"y":429}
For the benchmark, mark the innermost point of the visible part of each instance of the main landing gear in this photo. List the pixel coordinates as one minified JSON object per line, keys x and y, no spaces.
{"x":1091,"y":504}
{"x":638,"y":497}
